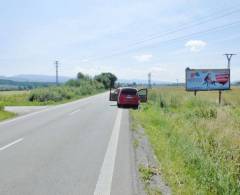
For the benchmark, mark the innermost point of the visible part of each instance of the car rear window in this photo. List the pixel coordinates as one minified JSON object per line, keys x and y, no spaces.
{"x":129,"y":91}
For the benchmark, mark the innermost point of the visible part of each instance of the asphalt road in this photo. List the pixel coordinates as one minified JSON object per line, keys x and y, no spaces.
{"x":82,"y":147}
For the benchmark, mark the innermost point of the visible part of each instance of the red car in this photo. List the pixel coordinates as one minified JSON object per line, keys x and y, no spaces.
{"x":128,"y":96}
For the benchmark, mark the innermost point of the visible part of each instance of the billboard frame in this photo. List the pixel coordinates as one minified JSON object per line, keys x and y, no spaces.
{"x":207,"y":69}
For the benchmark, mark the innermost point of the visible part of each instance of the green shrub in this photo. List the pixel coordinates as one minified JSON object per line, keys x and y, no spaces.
{"x":72,"y":89}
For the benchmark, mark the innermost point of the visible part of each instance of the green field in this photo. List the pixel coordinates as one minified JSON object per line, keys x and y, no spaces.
{"x":21,"y":98}
{"x":15,"y":98}
{"x":196,"y":141}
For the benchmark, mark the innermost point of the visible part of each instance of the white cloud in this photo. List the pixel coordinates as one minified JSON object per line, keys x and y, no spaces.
{"x":195,"y":45}
{"x":143,"y":57}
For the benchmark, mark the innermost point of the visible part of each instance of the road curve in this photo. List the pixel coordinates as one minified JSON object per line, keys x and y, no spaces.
{"x":82,"y":147}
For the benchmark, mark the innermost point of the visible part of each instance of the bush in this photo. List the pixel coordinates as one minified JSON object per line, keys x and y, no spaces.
{"x":45,"y":95}
{"x":72,"y":89}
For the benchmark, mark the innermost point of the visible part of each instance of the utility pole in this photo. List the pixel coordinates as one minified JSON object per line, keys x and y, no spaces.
{"x":229,"y":57}
{"x":149,"y":80}
{"x":56,"y":63}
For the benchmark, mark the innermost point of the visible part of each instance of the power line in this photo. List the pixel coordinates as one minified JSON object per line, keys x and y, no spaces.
{"x":217,"y":28}
{"x":184,"y":27}
{"x":209,"y":18}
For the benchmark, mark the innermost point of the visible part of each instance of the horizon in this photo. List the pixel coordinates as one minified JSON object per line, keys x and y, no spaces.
{"x":138,"y":81}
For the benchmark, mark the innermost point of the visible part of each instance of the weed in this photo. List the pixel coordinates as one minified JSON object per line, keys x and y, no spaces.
{"x":146,"y":173}
{"x":135,"y":143}
{"x":196,"y":141}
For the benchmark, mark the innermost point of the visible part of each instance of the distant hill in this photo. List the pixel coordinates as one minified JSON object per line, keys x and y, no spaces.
{"x":21,"y":85}
{"x":35,"y":78}
{"x":27,"y":81}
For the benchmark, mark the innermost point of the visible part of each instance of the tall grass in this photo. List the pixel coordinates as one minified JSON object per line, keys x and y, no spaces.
{"x":196,"y":141}
{"x":56,"y":94}
{"x":72,"y":90}
{"x":14,"y":98}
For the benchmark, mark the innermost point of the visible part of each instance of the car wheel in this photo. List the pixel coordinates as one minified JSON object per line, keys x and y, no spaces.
{"x":119,"y":105}
{"x":136,"y":107}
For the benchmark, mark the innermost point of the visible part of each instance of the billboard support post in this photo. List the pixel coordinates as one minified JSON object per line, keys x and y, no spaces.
{"x":220,"y":97}
{"x":195,"y":93}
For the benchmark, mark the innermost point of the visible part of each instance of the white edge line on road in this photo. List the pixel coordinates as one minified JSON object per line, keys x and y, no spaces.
{"x":104,"y":182}
{"x":11,"y":144}
{"x":49,"y":108}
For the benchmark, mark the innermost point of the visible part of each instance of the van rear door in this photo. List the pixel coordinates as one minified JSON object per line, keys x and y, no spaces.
{"x":143,"y":94}
{"x":113,"y":95}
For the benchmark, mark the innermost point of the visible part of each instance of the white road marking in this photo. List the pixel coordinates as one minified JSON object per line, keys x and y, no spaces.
{"x":74,"y":112}
{"x":11,"y":144}
{"x":104,"y":183}
{"x":79,"y":109}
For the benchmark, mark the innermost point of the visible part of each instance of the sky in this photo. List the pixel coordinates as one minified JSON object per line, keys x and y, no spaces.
{"x":129,"y":38}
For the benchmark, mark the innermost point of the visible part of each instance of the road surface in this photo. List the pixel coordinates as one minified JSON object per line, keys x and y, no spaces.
{"x":82,"y":147}
{"x":22,"y":110}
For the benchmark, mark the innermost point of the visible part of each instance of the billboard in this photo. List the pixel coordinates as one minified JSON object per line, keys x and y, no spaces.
{"x":207,"y":79}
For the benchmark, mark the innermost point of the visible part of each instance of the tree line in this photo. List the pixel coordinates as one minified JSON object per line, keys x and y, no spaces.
{"x":107,"y":79}
{"x":74,"y":88}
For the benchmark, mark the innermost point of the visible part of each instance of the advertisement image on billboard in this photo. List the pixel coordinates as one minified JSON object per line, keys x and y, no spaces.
{"x":207,"y":79}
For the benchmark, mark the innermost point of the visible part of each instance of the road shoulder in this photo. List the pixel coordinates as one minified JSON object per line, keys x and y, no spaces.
{"x":148,"y":173}
{"x":22,"y":110}
{"x":124,"y":178}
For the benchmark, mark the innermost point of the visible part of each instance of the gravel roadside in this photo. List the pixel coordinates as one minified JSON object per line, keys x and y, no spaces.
{"x":149,"y":177}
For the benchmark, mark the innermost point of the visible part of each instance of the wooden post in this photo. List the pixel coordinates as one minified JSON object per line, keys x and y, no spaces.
{"x":220,"y":97}
{"x":195,"y":93}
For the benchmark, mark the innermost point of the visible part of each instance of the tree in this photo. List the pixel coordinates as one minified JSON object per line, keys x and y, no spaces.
{"x":108,"y":79}
{"x":73,"y":83}
{"x":112,"y":78}
{"x":80,"y":76}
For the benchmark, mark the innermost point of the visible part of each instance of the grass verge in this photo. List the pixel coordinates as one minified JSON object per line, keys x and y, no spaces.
{"x":196,"y":141}
{"x":6,"y":115}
